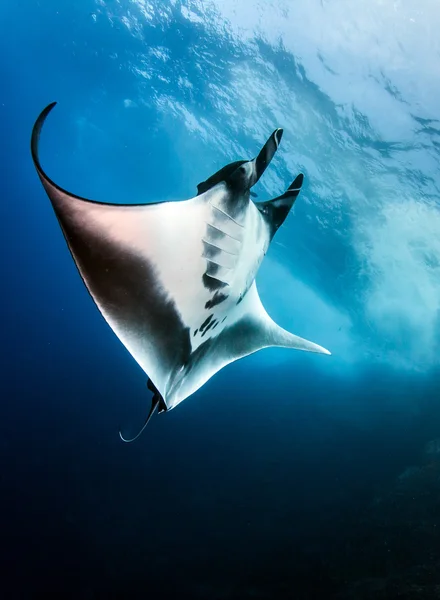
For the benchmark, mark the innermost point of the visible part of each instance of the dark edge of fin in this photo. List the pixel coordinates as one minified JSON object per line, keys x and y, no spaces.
{"x":276,"y":210}
{"x":35,"y":139}
{"x":47,"y":181}
{"x":296,"y":184}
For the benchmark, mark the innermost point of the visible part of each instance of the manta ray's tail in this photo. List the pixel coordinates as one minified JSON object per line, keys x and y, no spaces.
{"x":154,"y":405}
{"x":156,"y":402}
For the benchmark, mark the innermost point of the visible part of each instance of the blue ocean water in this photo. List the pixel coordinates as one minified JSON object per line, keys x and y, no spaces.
{"x":287,"y":475}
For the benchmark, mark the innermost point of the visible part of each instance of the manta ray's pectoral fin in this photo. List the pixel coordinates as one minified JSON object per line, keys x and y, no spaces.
{"x":157,"y":402}
{"x":255,"y":330}
{"x":251,"y":330}
{"x":122,"y":252}
{"x":275,"y":211}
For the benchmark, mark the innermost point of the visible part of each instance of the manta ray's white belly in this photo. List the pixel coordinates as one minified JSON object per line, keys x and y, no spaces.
{"x":200,"y":244}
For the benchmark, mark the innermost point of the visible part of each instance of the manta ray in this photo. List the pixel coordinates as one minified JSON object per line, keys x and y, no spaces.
{"x":175,"y":281}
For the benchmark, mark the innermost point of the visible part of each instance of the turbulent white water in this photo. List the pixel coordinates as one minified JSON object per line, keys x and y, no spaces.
{"x":356,"y":89}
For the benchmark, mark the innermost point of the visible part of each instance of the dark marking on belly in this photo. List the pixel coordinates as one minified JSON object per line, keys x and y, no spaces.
{"x":212,"y":284}
{"x":212,"y":324}
{"x":206,"y":322}
{"x":233,"y":340}
{"x":195,"y":332}
{"x":218,"y":298}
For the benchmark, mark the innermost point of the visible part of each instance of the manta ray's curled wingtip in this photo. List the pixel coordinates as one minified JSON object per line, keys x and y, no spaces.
{"x":35,"y":137}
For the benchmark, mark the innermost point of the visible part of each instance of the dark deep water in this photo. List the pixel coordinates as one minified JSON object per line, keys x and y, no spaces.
{"x":287,"y":475}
